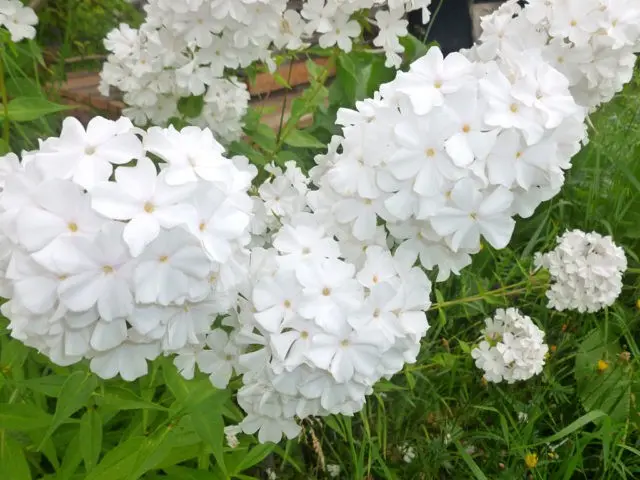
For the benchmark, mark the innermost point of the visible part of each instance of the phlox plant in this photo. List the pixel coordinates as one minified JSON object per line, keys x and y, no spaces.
{"x":164,"y":240}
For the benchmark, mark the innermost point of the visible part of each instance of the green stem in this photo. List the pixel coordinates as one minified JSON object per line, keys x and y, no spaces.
{"x":509,"y":290}
{"x":5,"y":101}
{"x":432,"y":21}
{"x":292,"y":122}
{"x":633,"y":270}
{"x":284,"y":102}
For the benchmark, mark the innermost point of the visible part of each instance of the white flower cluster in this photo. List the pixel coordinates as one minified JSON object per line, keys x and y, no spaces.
{"x":187,"y":48}
{"x":18,"y":19}
{"x":121,"y":270}
{"x":591,"y":42}
{"x":314,"y":333}
{"x":586,"y":271}
{"x":513,"y":348}
{"x":448,"y":152}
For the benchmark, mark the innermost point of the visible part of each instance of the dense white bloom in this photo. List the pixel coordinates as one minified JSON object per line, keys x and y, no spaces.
{"x":18,"y":19}
{"x":447,"y":154}
{"x":122,"y":270}
{"x":591,"y":42}
{"x":315,"y":332}
{"x":512,"y":348}
{"x":586,"y":271}
{"x":187,"y":50}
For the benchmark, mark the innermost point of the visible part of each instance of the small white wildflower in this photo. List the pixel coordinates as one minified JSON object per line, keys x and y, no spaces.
{"x":333,"y":470}
{"x":271,"y":474}
{"x":523,"y":417}
{"x":408,"y":453}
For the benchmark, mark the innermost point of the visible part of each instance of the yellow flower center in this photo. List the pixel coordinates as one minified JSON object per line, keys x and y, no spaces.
{"x":149,"y":207}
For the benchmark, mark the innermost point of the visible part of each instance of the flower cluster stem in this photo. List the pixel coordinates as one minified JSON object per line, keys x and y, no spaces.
{"x":531,"y":284}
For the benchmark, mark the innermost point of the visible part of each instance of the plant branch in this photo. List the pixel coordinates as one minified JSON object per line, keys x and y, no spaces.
{"x":284,"y":102}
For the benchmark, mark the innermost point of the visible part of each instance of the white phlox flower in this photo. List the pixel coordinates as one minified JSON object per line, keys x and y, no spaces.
{"x":448,"y":153}
{"x":586,"y":271}
{"x":113,"y":257}
{"x":591,"y":42}
{"x":315,"y":333}
{"x":18,"y":19}
{"x":512,"y":347}
{"x":186,"y":49}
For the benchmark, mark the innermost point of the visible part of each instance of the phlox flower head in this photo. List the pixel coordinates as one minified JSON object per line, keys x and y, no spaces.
{"x":592,"y":42}
{"x":187,"y":49}
{"x":447,"y":154}
{"x":586,"y":271}
{"x":314,"y":332}
{"x":115,"y":257}
{"x":512,"y":347}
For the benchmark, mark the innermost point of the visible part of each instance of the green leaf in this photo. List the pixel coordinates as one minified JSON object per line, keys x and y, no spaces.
{"x":575,"y":425}
{"x":208,"y":424}
{"x":73,"y":396}
{"x":120,"y":461}
{"x":90,"y":438}
{"x":473,"y":466}
{"x":302,"y":139}
{"x":71,"y":460}
{"x":191,"y":106}
{"x":183,"y":473}
{"x":51,"y":385}
{"x":188,"y":394}
{"x":414,"y":48}
{"x":123,"y":399}
{"x":254,"y":456}
{"x":264,"y":137}
{"x":23,"y":417}
{"x":26,"y":109}
{"x":4,"y":147}
{"x":132,"y":458}
{"x":241,"y":148}
{"x":13,"y":464}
